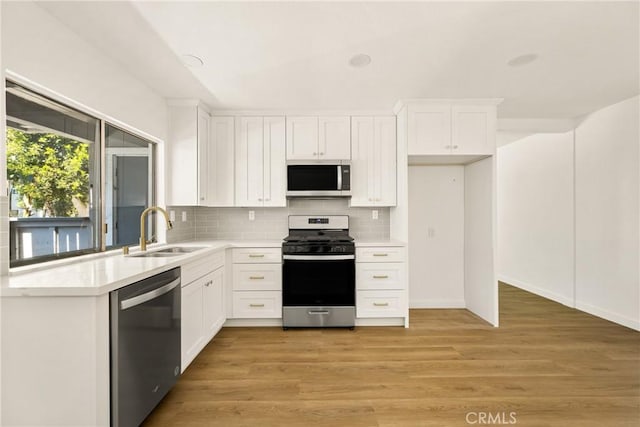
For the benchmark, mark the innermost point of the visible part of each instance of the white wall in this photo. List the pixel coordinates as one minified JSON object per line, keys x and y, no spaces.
{"x":39,"y":48}
{"x":607,"y":214}
{"x":436,"y":221}
{"x":535,"y":215}
{"x":569,"y":214}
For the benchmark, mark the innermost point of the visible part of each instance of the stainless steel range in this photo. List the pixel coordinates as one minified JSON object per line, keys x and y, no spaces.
{"x":318,"y":273}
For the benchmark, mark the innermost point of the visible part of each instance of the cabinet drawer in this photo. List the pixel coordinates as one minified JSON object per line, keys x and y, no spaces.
{"x":380,"y":275}
{"x":196,"y":269}
{"x":257,"y":304}
{"x":257,"y":255}
{"x":381,"y":304}
{"x":257,"y":277}
{"x":380,"y":254}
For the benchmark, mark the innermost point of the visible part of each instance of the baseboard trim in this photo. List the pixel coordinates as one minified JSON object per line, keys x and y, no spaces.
{"x":437,"y":303}
{"x":553,"y":296}
{"x":607,"y":315}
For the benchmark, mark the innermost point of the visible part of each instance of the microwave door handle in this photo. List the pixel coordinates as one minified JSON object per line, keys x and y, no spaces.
{"x":339,"y":177}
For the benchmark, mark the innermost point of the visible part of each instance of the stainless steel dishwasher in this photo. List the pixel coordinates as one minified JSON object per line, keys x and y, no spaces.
{"x":145,"y":346}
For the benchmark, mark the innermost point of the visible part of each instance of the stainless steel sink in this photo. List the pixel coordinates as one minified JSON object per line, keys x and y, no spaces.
{"x":180,"y":249}
{"x":168,"y":252}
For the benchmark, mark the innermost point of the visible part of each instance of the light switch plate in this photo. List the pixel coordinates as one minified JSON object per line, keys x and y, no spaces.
{"x":252,"y":215}
{"x":184,"y":216}
{"x":172,"y":216}
{"x":374,"y":214}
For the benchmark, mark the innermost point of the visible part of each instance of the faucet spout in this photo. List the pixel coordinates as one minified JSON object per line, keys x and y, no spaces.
{"x":143,"y":239}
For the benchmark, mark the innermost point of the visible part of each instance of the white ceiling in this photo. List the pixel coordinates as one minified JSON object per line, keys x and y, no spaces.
{"x":294,"y":55}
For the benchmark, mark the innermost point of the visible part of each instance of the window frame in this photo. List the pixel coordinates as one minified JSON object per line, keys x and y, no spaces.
{"x":99,"y":195}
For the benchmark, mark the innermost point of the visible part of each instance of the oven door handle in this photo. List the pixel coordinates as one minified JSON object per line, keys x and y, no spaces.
{"x":318,"y":257}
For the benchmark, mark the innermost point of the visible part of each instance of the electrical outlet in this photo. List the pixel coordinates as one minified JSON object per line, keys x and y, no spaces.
{"x":252,"y":215}
{"x":172,"y":216}
{"x":374,"y":214}
{"x":184,"y":216}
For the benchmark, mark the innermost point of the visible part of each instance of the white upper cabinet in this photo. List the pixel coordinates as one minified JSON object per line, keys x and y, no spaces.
{"x":260,"y":161}
{"x":220,"y":161}
{"x":373,"y":161}
{"x":334,"y":138}
{"x":451,"y":129}
{"x":318,"y":138}
{"x":186,"y":146}
{"x":430,"y":129}
{"x":302,"y":138}
{"x":473,"y":129}
{"x":199,"y":155}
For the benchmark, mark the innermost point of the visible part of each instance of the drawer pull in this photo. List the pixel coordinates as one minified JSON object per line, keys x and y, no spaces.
{"x":381,"y":277}
{"x":380,"y":254}
{"x":381,"y":304}
{"x":256,"y":305}
{"x":256,"y":255}
{"x":256,"y":277}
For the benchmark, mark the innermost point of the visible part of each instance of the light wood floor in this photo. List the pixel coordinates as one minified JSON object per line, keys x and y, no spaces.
{"x":547,"y":364}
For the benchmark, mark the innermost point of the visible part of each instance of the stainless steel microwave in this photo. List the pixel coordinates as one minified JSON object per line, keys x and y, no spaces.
{"x":319,"y":179}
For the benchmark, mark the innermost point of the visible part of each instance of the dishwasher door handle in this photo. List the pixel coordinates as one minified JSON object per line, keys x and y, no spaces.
{"x":140,"y":299}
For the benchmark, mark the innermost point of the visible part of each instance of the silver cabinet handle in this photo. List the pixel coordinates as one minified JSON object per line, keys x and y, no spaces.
{"x":321,"y":153}
{"x":381,"y":277}
{"x":256,"y":255}
{"x":319,"y":312}
{"x":315,"y":154}
{"x":381,"y":304}
{"x":140,"y":299}
{"x":256,"y":305}
{"x":455,"y":147}
{"x":210,"y":282}
{"x":256,"y":277}
{"x":259,"y":199}
{"x":380,"y":254}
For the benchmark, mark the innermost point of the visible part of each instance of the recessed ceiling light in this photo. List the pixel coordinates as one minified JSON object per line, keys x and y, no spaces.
{"x":360,"y":60}
{"x":521,"y":60}
{"x":192,"y":61}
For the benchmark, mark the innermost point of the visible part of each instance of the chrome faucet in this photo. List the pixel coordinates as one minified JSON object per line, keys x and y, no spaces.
{"x":143,"y":239}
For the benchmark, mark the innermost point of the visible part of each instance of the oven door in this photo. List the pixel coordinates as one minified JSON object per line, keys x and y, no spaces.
{"x":318,"y":280}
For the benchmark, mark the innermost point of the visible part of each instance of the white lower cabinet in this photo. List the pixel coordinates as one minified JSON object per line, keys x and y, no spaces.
{"x":202,"y":306}
{"x":257,"y":283}
{"x":381,"y":285}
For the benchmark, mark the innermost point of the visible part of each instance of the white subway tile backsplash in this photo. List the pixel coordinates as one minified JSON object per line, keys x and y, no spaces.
{"x":271,"y":223}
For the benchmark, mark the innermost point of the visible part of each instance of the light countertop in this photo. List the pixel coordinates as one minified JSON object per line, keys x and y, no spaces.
{"x":99,"y":274}
{"x":102,"y":273}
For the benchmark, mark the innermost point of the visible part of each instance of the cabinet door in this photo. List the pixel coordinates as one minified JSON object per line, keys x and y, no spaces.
{"x":334,"y":138}
{"x":473,"y":129}
{"x":192,"y":321}
{"x":213,"y":303}
{"x":203,"y":157}
{"x":181,"y":151}
{"x":275,"y":165}
{"x":249,"y":162}
{"x":429,"y":129}
{"x":221,"y":160}
{"x":302,"y":138}
{"x":384,"y":158}
{"x":362,"y":165}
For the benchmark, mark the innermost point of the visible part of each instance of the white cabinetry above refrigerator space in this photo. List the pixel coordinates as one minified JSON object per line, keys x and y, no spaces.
{"x":260,"y":161}
{"x":448,"y":131}
{"x":318,"y":138}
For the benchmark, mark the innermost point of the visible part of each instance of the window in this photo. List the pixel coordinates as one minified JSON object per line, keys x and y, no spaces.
{"x":61,"y":202}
